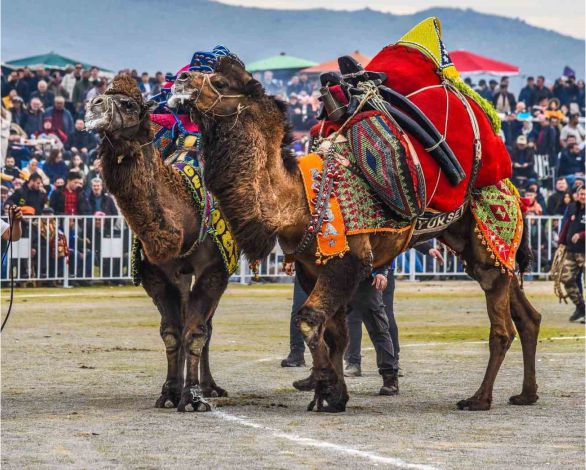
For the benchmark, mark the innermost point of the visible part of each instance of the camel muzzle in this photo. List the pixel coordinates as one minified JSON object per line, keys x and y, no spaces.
{"x":97,"y":116}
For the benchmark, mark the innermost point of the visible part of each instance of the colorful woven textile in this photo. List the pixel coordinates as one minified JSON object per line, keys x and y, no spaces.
{"x":387,"y":166}
{"x":499,"y":222}
{"x":331,"y":239}
{"x":214,"y":222}
{"x":360,"y":209}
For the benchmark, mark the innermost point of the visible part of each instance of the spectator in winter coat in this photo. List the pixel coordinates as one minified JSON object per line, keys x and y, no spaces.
{"x":32,"y":120}
{"x":572,"y":129}
{"x":545,"y":142}
{"x":42,"y":93}
{"x":70,"y":200}
{"x":559,"y":200}
{"x":17,"y":110}
{"x":81,"y":139}
{"x":541,"y":90}
{"x":55,"y":167}
{"x":571,"y":162}
{"x":523,"y":162}
{"x":31,"y":194}
{"x":70,"y":79}
{"x":528,"y":93}
{"x":503,"y":100}
{"x":99,"y":200}
{"x":60,"y":117}
{"x":57,"y":88}
{"x":33,"y":167}
{"x":17,"y":82}
{"x":81,"y":88}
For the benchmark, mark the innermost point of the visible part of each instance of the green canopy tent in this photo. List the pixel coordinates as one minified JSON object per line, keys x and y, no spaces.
{"x":283,"y":66}
{"x":51,"y":60}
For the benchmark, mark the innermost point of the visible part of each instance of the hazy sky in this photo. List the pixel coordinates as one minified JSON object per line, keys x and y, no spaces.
{"x":564,"y":16}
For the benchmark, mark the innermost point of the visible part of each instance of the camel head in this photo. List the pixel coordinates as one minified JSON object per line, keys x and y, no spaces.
{"x":121,"y":111}
{"x":221,"y":95}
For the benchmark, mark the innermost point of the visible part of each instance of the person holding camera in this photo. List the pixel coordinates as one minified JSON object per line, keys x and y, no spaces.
{"x":12,"y":229}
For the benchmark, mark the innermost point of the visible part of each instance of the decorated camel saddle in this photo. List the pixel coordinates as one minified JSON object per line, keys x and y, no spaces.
{"x":178,"y":141}
{"x":405,"y":144}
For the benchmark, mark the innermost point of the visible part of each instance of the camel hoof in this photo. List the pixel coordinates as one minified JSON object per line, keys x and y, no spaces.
{"x":474,"y":404}
{"x":192,"y":400}
{"x":214,"y":392}
{"x":167,"y":400}
{"x":333,"y":395}
{"x":523,"y":400}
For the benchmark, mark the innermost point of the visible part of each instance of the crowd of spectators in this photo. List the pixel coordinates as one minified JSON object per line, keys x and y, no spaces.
{"x":50,"y":162}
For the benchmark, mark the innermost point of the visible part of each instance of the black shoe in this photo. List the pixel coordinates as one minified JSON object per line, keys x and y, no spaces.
{"x":390,"y":385}
{"x":578,"y":313}
{"x":305,"y":385}
{"x":294,"y":359}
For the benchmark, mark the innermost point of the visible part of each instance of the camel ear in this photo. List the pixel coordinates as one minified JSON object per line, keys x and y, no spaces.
{"x":150,"y":106}
{"x":254,"y":88}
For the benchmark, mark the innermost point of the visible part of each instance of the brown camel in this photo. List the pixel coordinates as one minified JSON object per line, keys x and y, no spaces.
{"x":259,"y":187}
{"x":184,"y":280}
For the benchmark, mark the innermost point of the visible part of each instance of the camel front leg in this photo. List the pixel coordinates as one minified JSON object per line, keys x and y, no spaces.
{"x":166,"y":297}
{"x":208,"y":384}
{"x":201,"y":303}
{"x":335,"y":285}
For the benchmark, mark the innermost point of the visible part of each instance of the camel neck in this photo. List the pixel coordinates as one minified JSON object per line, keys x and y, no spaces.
{"x":141,"y":183}
{"x":259,"y":196}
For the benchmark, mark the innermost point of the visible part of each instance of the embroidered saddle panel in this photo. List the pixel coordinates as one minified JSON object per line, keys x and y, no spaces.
{"x":384,"y":160}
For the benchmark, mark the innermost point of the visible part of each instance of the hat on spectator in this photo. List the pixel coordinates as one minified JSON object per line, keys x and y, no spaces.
{"x":522,"y":139}
{"x":47,"y":211}
{"x":99,"y":214}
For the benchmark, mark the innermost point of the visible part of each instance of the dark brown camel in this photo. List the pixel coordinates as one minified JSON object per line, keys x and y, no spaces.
{"x":261,"y":193}
{"x":185,"y":284}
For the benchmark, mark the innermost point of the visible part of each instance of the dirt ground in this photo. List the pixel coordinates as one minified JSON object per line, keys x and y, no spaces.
{"x":82,"y":368}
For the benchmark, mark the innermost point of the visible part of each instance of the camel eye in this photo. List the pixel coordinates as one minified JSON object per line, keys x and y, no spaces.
{"x":127,"y":104}
{"x":220,"y":84}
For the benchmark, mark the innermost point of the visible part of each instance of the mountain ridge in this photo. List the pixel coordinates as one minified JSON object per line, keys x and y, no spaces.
{"x":164,"y":38}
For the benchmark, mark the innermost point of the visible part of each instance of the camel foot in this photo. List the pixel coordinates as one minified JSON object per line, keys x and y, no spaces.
{"x":168,"y":399}
{"x":213,"y":391}
{"x":330,"y":397}
{"x":523,"y":400}
{"x":305,"y":385}
{"x":192,"y":400}
{"x":474,"y":404}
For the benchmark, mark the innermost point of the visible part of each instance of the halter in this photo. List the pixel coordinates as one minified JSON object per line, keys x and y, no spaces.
{"x":220,"y":96}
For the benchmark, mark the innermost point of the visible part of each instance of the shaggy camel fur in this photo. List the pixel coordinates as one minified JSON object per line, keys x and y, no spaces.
{"x":161,"y":212}
{"x":261,"y":193}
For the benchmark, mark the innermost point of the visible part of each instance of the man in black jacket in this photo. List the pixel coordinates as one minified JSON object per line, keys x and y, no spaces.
{"x":70,"y":200}
{"x":31,"y":194}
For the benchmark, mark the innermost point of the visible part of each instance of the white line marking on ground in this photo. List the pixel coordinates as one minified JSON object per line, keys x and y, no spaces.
{"x":399,"y":463}
{"x":441,"y":343}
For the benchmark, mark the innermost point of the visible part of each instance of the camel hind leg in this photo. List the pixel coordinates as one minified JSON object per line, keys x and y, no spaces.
{"x":496,"y":288}
{"x":527,"y":320}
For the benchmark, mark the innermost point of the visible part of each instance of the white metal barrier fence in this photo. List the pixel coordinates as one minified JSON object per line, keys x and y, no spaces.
{"x":82,"y":249}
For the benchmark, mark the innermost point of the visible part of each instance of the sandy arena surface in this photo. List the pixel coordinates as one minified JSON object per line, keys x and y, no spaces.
{"x":82,"y":368}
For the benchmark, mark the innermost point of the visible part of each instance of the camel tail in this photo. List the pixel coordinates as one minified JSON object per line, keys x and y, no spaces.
{"x":524,"y":254}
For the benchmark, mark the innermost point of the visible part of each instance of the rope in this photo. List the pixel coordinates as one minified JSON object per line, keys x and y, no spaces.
{"x":9,"y":247}
{"x":556,"y":273}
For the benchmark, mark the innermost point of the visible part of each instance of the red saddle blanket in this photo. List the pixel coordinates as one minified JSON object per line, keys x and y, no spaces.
{"x":410,"y":72}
